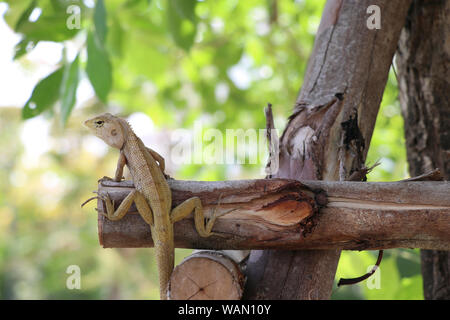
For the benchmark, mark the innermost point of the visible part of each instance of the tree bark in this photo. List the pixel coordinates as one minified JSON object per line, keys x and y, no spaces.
{"x":274,"y":213}
{"x":328,"y":134}
{"x":423,"y":69}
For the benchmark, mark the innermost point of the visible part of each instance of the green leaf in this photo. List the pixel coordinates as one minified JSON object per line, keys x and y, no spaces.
{"x":184,"y":8}
{"x":15,"y":11}
{"x":48,"y":28}
{"x":69,"y":89}
{"x":116,"y":38}
{"x":44,"y":95}
{"x":101,"y":29}
{"x":182,"y":22}
{"x":98,"y":67}
{"x":51,"y":25}
{"x":25,"y":15}
{"x":23,"y":47}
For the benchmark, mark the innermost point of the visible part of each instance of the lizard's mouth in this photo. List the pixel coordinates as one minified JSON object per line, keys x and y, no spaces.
{"x":88,"y":124}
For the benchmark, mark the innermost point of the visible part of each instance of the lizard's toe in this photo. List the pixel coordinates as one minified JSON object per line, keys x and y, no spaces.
{"x":105,"y":178}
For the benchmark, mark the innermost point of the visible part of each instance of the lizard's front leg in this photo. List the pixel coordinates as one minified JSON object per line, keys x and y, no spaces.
{"x":157,"y":157}
{"x":121,"y":162}
{"x":134,"y":196}
{"x":194,"y":204}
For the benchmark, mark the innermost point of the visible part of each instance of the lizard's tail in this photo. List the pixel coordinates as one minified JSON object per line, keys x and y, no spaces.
{"x":165,"y":255}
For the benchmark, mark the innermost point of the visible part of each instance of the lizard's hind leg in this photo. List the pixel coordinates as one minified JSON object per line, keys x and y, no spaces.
{"x":194,"y":204}
{"x":143,"y":208}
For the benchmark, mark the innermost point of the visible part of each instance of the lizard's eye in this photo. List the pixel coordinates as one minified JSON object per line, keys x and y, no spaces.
{"x":99,"y":122}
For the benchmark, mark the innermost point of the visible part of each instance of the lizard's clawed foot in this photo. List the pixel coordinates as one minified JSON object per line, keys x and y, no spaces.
{"x":101,"y":212}
{"x":90,"y":199}
{"x":108,"y":203}
{"x":167,"y":176}
{"x":105,"y":178}
{"x":214,"y":216}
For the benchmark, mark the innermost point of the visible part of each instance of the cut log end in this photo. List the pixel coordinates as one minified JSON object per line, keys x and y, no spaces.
{"x":206,"y":276}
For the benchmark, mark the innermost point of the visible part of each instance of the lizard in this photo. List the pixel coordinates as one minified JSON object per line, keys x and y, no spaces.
{"x":152,"y":195}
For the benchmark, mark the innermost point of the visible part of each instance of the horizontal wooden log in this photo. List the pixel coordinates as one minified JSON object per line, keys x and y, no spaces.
{"x":287,"y":214}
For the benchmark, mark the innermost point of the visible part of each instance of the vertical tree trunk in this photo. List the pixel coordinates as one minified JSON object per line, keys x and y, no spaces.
{"x":423,"y":59}
{"x":328,"y":134}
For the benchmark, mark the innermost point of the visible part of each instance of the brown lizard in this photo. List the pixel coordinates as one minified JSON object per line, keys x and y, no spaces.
{"x":152,"y":194}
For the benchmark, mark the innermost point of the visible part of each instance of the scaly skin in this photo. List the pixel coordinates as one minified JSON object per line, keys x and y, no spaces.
{"x":152,"y":194}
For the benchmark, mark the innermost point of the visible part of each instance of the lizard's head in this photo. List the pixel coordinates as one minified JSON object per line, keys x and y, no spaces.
{"x":109,"y":128}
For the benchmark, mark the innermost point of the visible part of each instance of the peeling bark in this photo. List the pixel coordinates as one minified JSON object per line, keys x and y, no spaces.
{"x":346,"y":76}
{"x":275,"y":213}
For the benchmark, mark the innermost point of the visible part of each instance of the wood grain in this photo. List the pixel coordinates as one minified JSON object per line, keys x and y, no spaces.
{"x":287,"y":214}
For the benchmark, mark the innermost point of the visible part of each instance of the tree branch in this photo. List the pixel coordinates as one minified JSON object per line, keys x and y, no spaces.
{"x":287,"y":214}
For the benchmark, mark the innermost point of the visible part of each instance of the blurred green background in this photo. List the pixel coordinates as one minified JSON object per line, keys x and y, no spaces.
{"x":165,"y":64}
